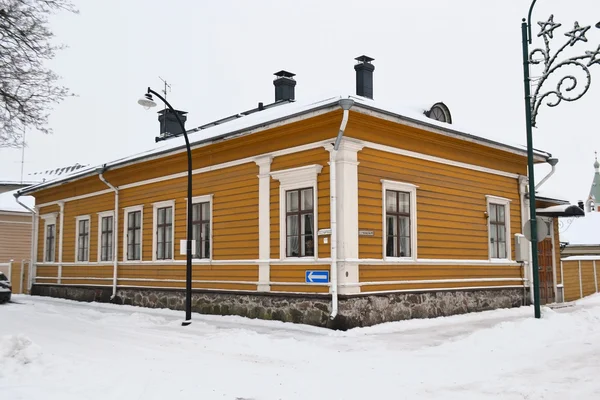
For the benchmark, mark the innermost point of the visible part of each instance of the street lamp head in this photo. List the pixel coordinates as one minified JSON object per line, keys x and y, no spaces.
{"x":552,"y":161}
{"x":147,"y":101}
{"x":598,"y":25}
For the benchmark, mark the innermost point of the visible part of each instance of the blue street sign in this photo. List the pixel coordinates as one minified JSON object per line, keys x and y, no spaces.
{"x":317,"y":276}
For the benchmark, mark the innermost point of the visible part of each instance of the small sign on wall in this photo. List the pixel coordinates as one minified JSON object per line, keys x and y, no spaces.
{"x":183,"y":249}
{"x":365,"y":233}
{"x":324,"y":232}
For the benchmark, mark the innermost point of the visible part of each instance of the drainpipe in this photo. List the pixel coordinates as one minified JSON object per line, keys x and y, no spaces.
{"x":552,"y":161}
{"x":346,"y":104}
{"x":34,"y":226}
{"x":115,"y":231}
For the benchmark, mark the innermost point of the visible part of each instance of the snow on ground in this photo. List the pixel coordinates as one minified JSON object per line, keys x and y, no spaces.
{"x":59,"y":349}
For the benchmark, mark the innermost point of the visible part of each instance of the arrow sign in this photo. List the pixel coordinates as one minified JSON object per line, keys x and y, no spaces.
{"x":317,"y":276}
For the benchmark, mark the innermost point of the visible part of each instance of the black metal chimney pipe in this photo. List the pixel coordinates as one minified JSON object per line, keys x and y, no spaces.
{"x":284,"y":86}
{"x":364,"y":76}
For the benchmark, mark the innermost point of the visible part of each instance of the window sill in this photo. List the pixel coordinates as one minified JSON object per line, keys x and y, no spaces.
{"x":400,"y":259}
{"x":501,"y":260}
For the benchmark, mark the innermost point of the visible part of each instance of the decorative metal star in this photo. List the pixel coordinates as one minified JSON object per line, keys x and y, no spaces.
{"x":577,"y":34}
{"x":548,"y":27}
{"x":594,"y":56}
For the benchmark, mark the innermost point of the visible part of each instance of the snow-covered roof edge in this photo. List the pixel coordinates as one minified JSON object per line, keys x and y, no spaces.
{"x":253,"y":123}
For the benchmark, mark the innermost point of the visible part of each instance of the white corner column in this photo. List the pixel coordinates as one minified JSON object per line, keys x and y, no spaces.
{"x":346,"y":164}
{"x":264,"y":222}
{"x":61,"y":205}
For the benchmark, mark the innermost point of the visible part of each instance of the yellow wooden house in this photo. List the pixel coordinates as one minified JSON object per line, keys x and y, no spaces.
{"x":342,"y":212}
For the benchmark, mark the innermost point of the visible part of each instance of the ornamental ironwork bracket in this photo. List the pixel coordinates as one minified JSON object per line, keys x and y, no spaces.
{"x":568,"y":87}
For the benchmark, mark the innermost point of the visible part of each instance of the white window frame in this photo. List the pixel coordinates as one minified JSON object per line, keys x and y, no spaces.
{"x":100,"y":216}
{"x":412,"y":191}
{"x":292,"y":179}
{"x":155,"y":207}
{"x":126,"y":212}
{"x":77,"y":220}
{"x":208,"y":198}
{"x":501,"y":201}
{"x":49,"y":219}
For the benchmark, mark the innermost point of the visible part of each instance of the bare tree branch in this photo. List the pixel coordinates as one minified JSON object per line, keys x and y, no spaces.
{"x":28,"y":89}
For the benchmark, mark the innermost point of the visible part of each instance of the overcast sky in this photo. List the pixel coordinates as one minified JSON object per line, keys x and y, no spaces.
{"x":219,"y":57}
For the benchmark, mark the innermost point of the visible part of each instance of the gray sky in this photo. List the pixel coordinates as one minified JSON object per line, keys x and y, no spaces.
{"x":219,"y":57}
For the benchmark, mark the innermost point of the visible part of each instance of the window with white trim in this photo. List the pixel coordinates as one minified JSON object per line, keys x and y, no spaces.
{"x":300,"y":223}
{"x":399,"y":220}
{"x":82,"y":236}
{"x":50,"y":243}
{"x":163,"y":228}
{"x":105,"y":235}
{"x":298,"y":211}
{"x":201,"y":226}
{"x":49,"y":236}
{"x":499,"y":227}
{"x":133,"y":233}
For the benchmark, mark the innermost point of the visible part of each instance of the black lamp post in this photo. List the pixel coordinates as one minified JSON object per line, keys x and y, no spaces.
{"x":566,"y":90}
{"x":147,"y":101}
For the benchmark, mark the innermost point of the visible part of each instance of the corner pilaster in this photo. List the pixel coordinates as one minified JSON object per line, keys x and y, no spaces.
{"x":264,"y":229}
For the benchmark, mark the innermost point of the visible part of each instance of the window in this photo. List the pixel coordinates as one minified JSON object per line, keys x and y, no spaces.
{"x":49,"y":236}
{"x":201,"y":228}
{"x":133,"y":233}
{"x":397,"y":235}
{"x":499,"y":227}
{"x":82,"y":235}
{"x":298,"y":211}
{"x":105,"y":235}
{"x":439,"y":112}
{"x":163,"y":224}
{"x":399,"y":220}
{"x":50,"y":240}
{"x":300,"y":221}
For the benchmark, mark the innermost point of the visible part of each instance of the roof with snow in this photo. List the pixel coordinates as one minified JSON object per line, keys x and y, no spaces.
{"x":288,"y":112}
{"x":583,"y":230}
{"x":9,"y":203}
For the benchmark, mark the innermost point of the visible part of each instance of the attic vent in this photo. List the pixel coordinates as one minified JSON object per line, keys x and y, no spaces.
{"x":439,"y":112}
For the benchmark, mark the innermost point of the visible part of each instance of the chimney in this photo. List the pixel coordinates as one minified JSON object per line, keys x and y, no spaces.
{"x":364,"y":76}
{"x":169,"y":125}
{"x":284,"y":86}
{"x":580,"y":204}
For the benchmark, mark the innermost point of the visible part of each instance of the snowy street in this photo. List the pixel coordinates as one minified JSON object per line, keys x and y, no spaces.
{"x":58,"y":349}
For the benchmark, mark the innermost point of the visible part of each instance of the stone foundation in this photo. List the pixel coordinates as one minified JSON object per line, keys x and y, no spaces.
{"x":310,"y":309}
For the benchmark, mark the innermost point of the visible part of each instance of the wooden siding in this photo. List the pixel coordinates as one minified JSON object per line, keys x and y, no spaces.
{"x":361,"y":126}
{"x":318,"y":156}
{"x":573,"y":287}
{"x":15,"y":238}
{"x":315,"y":129}
{"x":296,"y":273}
{"x":587,"y":278}
{"x":396,"y":272}
{"x":451,"y":205}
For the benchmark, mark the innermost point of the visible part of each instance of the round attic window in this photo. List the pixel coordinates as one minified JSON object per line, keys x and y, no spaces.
{"x":439,"y":112}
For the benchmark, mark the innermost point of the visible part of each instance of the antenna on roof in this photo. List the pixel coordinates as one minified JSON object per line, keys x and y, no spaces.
{"x":167,"y":88}
{"x":22,"y":154}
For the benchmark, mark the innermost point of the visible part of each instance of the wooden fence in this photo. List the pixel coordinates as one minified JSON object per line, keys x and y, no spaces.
{"x":580,"y":275}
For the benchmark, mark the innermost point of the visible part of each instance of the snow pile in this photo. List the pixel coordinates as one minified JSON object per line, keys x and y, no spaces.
{"x":16,"y":352}
{"x":99,"y":351}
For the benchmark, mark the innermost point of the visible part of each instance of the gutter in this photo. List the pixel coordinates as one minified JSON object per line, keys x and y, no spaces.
{"x":34,"y":226}
{"x":115,"y":231}
{"x":346,"y":104}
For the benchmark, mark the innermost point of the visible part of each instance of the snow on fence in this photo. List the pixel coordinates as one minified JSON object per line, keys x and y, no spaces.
{"x":580,"y":275}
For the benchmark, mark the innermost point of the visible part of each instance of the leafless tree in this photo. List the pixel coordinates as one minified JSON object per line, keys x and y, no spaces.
{"x":28,"y":88}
